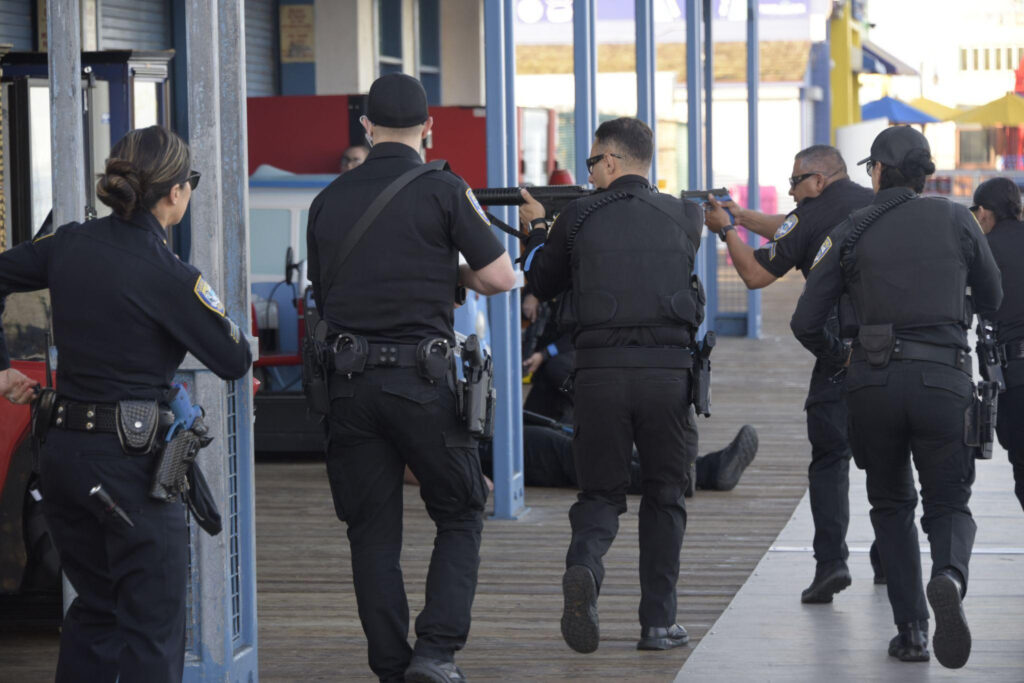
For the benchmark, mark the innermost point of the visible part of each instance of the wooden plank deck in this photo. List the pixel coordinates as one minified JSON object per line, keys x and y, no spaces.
{"x":308,"y":626}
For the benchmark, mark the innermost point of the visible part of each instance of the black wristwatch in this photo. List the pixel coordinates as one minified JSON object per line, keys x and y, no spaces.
{"x":541,"y":222}
{"x":725,"y":231}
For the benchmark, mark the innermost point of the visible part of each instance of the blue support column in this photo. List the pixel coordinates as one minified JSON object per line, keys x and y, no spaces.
{"x":509,"y":493}
{"x":646,"y":110}
{"x":584,"y":52}
{"x":695,"y":152}
{"x":710,"y":276}
{"x":753,"y":184}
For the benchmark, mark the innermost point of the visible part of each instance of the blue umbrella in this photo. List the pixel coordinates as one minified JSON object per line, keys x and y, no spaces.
{"x":895,"y":111}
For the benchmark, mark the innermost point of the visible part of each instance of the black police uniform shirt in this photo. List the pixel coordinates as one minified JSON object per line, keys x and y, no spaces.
{"x":796,"y":242}
{"x":909,"y":280}
{"x":1007,"y":242}
{"x":549,"y":273}
{"x":398,"y":284}
{"x":125,"y":309}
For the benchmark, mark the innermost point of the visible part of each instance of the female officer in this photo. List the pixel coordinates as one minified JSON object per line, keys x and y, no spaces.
{"x":125,"y":312}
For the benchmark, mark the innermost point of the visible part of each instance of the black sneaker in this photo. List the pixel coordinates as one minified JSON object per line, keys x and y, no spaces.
{"x":662,"y":638}
{"x":426,"y":670}
{"x":735,"y":458}
{"x":829,"y":579}
{"x":579,"y":615}
{"x":911,"y":643}
{"x":952,"y":640}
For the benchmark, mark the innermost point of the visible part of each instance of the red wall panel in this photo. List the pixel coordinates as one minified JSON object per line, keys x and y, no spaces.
{"x":298,"y":133}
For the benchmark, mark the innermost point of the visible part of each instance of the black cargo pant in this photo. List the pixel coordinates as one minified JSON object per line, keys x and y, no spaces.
{"x":380,"y":422}
{"x":1010,"y":425}
{"x":128,"y":621}
{"x":616,"y":408}
{"x":829,"y":472}
{"x":914,"y":408}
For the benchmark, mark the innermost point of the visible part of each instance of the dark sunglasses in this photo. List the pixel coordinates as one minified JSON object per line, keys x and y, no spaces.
{"x":797,"y":179}
{"x":870,"y":166}
{"x":193,"y":178}
{"x":974,"y":208}
{"x":592,"y":161}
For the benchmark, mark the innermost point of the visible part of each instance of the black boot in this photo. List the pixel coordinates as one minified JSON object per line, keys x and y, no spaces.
{"x":829,"y":579}
{"x":426,"y":670}
{"x":662,"y":638}
{"x":580,"y":628}
{"x":725,"y":467}
{"x":911,"y":643}
{"x":876,"y":564}
{"x":952,"y":640}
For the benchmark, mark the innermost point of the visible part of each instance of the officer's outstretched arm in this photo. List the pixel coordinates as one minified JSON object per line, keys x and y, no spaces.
{"x":494,"y":278}
{"x":752,"y":273}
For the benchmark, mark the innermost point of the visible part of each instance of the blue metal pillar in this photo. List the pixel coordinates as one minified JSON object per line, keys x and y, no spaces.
{"x":753,"y":184}
{"x":499,"y":45}
{"x":221,"y":609}
{"x":646,"y":109}
{"x":584,"y":53}
{"x":695,"y":149}
{"x":710,"y":275}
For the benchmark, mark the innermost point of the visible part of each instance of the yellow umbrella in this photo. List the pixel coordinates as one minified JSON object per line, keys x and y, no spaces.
{"x":1008,"y":110}
{"x":933,"y":108}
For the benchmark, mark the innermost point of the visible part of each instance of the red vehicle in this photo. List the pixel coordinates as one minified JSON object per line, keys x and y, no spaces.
{"x":30,"y":590}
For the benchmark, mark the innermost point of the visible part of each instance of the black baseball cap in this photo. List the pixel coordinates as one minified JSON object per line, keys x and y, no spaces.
{"x":397,"y":101}
{"x":893,"y":144}
{"x":999,"y":195}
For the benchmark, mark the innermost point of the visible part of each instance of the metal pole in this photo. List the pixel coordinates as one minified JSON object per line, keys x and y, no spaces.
{"x":646,"y":56}
{"x":584,"y":51}
{"x":694,"y":137}
{"x":753,"y":184}
{"x":710,"y":247}
{"x":509,"y":489}
{"x":221,"y":642}
{"x":67,"y":136}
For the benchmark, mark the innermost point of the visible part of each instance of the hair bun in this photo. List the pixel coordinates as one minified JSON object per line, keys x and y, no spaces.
{"x":120,"y":187}
{"x":918,"y":162}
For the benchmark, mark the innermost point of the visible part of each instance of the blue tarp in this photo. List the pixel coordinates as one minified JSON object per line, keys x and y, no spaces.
{"x":895,"y":111}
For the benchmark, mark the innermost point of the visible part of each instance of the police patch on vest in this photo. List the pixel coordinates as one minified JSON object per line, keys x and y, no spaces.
{"x":786,"y":227}
{"x":476,"y":206}
{"x":822,"y":250}
{"x":209,"y":297}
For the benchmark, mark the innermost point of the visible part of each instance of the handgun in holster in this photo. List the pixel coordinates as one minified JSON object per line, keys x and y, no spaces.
{"x":186,"y":435}
{"x":475,"y":391}
{"x":980,"y":420}
{"x":990,"y":357}
{"x":700,"y":375}
{"x":316,"y":368}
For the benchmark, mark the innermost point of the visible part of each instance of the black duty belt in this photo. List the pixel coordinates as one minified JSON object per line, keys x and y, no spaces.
{"x":391,"y":356}
{"x":910,"y":350}
{"x":85,"y":417}
{"x":678,"y":358}
{"x":1014,"y":350}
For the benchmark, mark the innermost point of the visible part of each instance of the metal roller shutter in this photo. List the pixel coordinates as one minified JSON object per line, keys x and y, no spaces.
{"x":135,"y":25}
{"x":261,"y":48}
{"x":16,"y":25}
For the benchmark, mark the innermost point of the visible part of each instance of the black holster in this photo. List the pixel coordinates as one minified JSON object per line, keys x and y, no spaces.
{"x":316,"y":368}
{"x":175,"y":458}
{"x":700,"y":375}
{"x":475,"y":393}
{"x":136,"y":425}
{"x":878,"y":342}
{"x":980,"y":420}
{"x":42,"y":413}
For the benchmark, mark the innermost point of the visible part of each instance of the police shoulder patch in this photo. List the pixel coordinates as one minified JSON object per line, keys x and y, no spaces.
{"x":209,"y":297}
{"x":786,"y":227}
{"x":476,"y":206}
{"x":822,"y":250}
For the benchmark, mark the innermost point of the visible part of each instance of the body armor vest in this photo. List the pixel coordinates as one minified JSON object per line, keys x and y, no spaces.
{"x":908,"y":269}
{"x":632,"y":265}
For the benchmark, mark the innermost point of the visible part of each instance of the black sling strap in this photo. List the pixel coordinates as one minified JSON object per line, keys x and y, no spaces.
{"x":371,"y":213}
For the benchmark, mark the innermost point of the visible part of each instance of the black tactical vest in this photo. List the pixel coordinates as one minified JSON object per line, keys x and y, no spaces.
{"x":909,"y":267}
{"x":632,"y":262}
